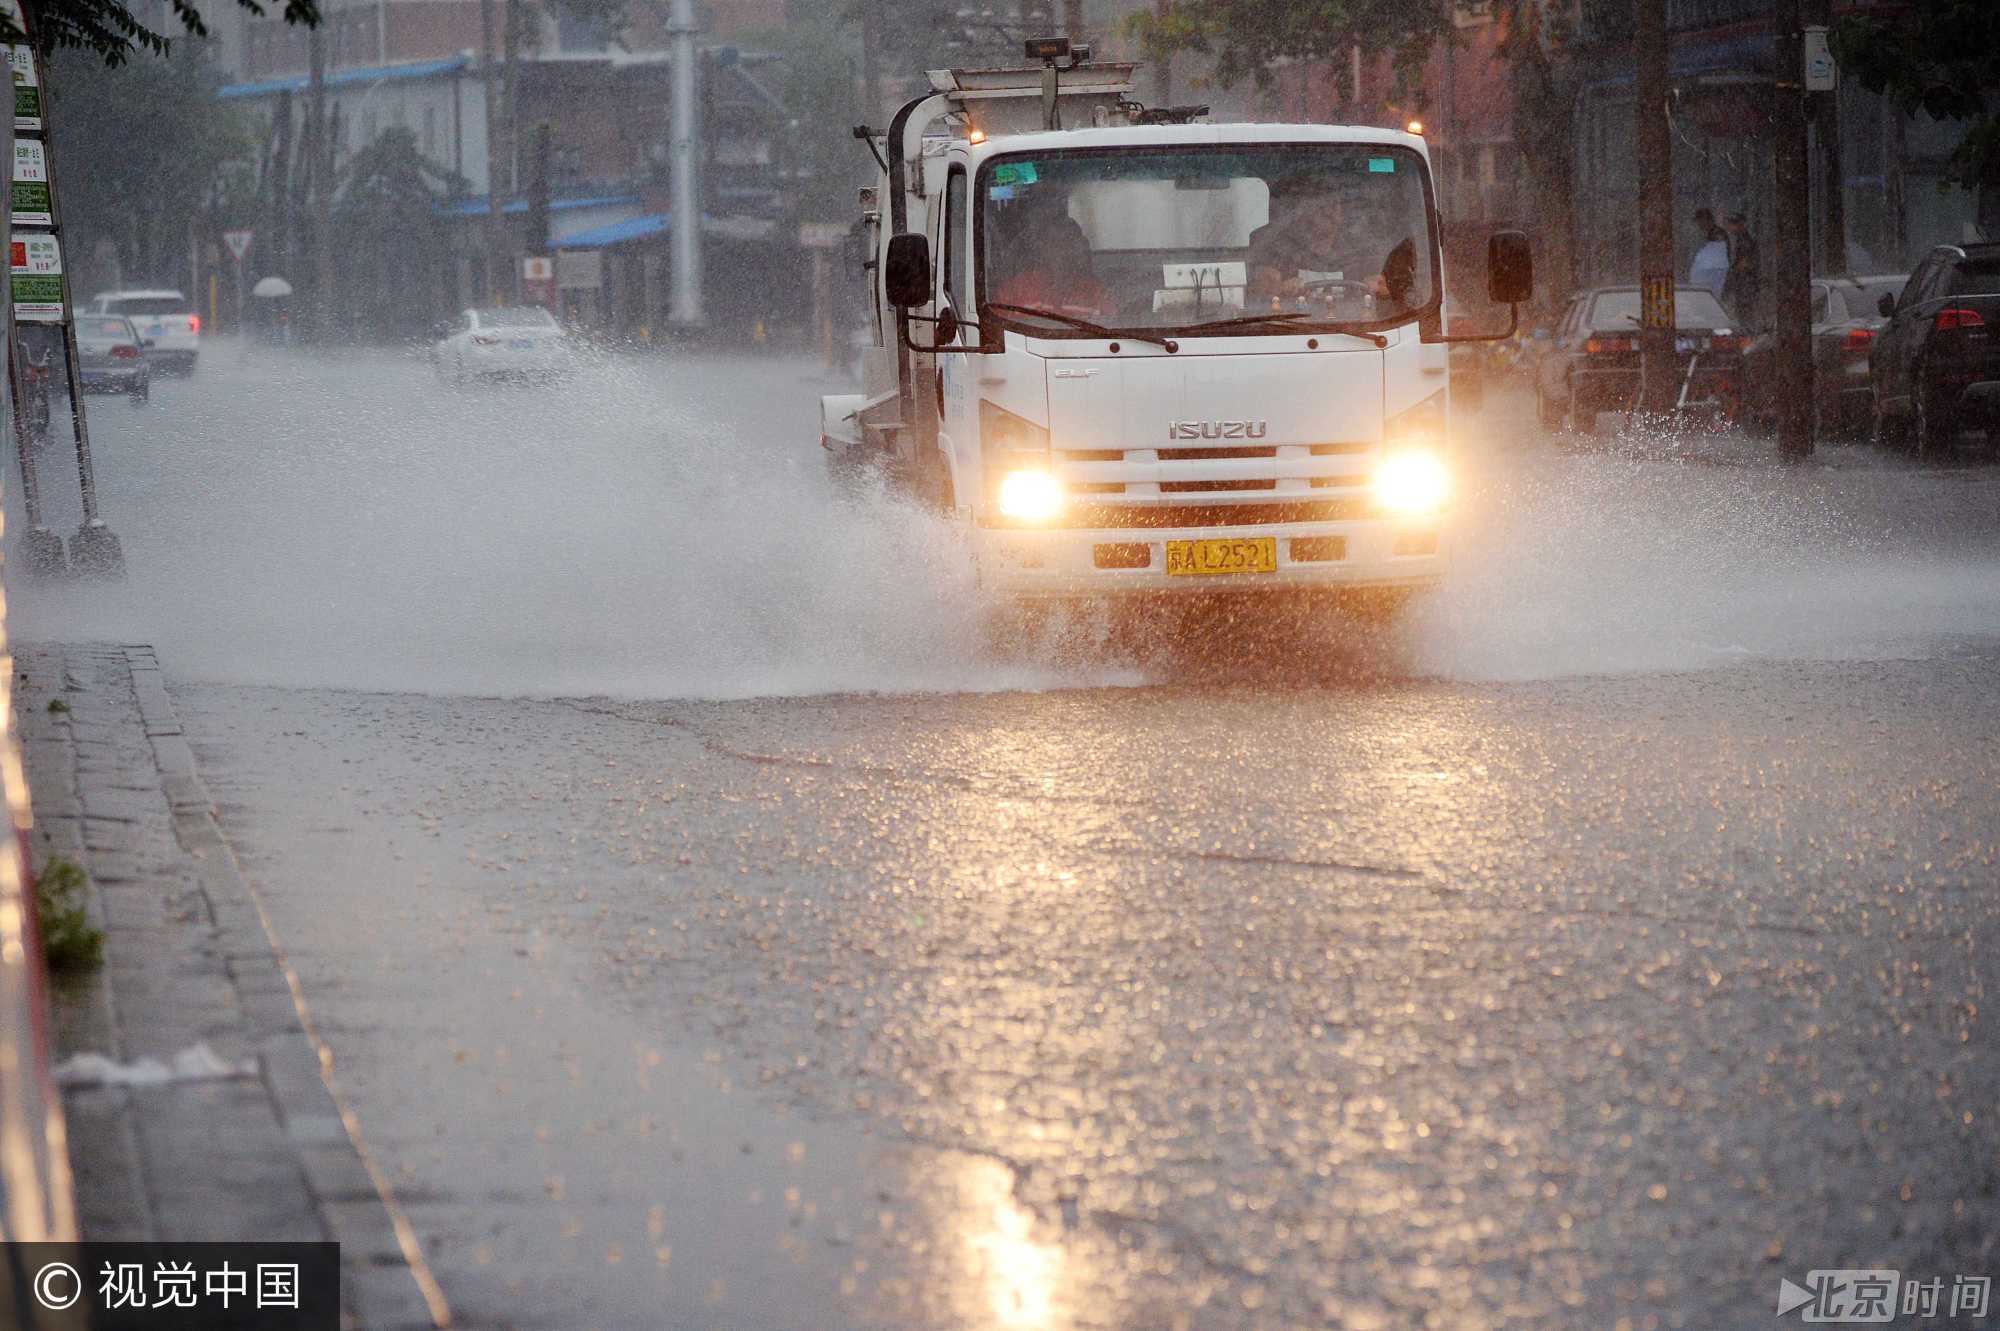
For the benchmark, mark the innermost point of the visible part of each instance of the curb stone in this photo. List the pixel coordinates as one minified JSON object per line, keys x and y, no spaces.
{"x":188,"y":958}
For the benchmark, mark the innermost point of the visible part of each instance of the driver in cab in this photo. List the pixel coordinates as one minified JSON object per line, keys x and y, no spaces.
{"x":1308,"y":251}
{"x":1052,"y":262}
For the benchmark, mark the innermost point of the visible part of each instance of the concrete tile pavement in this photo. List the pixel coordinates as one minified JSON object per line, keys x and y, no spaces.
{"x":264,"y":1152}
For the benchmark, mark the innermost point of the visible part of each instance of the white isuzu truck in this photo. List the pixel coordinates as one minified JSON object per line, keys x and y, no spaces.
{"x":1137,"y":353}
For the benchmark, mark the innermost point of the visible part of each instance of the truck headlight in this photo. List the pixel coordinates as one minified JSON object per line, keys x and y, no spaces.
{"x":1413,"y":477}
{"x":1412,"y":480}
{"x":1030,"y":496}
{"x":1021,"y":483}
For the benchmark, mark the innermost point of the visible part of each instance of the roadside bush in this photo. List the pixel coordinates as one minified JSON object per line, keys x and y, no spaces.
{"x":69,"y":942}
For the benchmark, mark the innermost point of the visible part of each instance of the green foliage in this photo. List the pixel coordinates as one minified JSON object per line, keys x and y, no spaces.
{"x":915,"y":35}
{"x":1938,"y":57}
{"x":819,"y":80}
{"x":390,"y":241}
{"x":69,"y":942}
{"x":1536,"y":43}
{"x":58,"y":706}
{"x":109,"y":30}
{"x":140,"y":149}
{"x":140,"y":146}
{"x":390,"y":184}
{"x":1243,"y":37}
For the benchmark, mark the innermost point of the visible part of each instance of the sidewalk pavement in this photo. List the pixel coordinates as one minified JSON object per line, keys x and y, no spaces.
{"x":254,"y":1147}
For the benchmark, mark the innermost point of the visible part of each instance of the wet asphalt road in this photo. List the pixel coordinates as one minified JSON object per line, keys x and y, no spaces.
{"x":1611,"y":946}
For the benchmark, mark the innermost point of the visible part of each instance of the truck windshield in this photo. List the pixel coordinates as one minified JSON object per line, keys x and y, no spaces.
{"x":1173,"y":237}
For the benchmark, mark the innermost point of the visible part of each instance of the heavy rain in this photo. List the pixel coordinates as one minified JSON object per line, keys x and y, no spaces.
{"x":1189,"y":664}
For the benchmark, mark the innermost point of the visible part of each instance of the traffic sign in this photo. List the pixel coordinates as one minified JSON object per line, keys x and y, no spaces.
{"x":238,"y":243}
{"x":538,"y":268}
{"x":31,"y":185}
{"x":27,"y":88}
{"x":1822,"y":72}
{"x":37,"y":274}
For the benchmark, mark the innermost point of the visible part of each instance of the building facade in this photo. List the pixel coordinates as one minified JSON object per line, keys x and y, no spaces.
{"x":601,"y":100}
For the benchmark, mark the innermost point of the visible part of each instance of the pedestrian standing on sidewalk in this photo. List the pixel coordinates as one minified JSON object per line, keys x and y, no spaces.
{"x":1744,"y":290}
{"x":1710,"y":268}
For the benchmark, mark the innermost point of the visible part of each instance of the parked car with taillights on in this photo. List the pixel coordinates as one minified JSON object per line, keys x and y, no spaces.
{"x":111,"y":357}
{"x":1845,"y":320}
{"x":1593,"y":365}
{"x":523,"y":342}
{"x":1935,"y":365}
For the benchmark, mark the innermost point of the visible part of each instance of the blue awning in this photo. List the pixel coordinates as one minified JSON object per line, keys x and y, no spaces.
{"x":476,"y":206}
{"x":616,"y":233}
{"x":1741,"y":53}
{"x":347,"y":78}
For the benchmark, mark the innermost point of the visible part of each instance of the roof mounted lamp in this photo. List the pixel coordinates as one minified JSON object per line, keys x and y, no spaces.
{"x":1052,"y":51}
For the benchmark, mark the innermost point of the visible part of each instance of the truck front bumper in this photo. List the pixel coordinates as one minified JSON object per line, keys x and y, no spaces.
{"x":1334,"y":556}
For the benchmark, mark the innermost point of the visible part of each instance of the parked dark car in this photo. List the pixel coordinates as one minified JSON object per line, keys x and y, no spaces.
{"x":1592,"y":364}
{"x":1846,"y":316}
{"x":111,"y":357}
{"x":1935,"y":366}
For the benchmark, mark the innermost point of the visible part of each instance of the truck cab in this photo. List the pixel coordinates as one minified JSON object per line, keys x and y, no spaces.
{"x":1136,"y":353}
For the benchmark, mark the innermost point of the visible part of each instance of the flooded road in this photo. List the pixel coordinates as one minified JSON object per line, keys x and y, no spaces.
{"x":662,"y":527}
{"x":710,"y":931}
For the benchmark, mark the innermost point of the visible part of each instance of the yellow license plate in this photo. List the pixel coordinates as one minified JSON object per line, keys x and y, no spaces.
{"x":1254,"y":554}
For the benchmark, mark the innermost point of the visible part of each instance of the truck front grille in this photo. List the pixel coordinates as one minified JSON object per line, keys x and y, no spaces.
{"x":1156,"y":516}
{"x":1294,"y":476}
{"x":1211,"y":487}
{"x":1210,"y":454}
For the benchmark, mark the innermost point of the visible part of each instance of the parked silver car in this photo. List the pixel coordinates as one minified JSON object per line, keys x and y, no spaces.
{"x":111,"y":357}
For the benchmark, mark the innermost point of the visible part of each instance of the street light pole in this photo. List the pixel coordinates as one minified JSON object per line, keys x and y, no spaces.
{"x":686,"y":310}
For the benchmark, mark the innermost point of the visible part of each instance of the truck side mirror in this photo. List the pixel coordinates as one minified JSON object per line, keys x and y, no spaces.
{"x":1510,"y":268}
{"x":906,"y":271}
{"x":1887,"y":305}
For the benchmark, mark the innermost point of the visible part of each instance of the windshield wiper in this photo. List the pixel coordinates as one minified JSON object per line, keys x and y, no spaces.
{"x":1290,"y":319}
{"x":1085,"y":325}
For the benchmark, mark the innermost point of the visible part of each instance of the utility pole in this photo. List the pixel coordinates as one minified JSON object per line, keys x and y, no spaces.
{"x":510,"y":58}
{"x":489,"y":281}
{"x":1792,"y":247}
{"x":319,"y":150}
{"x":685,"y":161}
{"x":1832,"y":171}
{"x":1656,"y":210}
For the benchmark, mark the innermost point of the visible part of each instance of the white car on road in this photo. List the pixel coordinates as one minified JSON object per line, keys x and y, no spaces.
{"x":166,"y":321}
{"x":517,"y":342}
